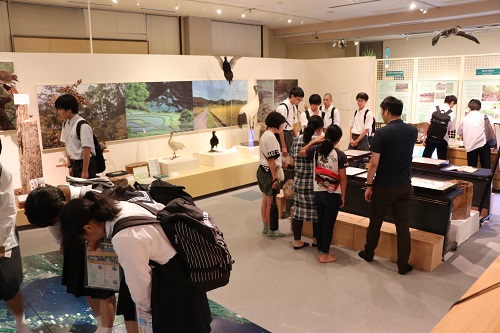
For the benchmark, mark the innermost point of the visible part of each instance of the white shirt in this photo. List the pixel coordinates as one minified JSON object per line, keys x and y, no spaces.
{"x":269,"y":148}
{"x":472,"y":130}
{"x":290,"y":115}
{"x":358,"y":122}
{"x":74,"y":147}
{"x":135,"y":246}
{"x":7,"y":212}
{"x":303,"y":117}
{"x":328,"y":116}
{"x":453,"y":119}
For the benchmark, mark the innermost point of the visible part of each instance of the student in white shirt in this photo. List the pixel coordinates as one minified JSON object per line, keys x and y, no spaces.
{"x":473,"y":134}
{"x":314,"y":102}
{"x":288,"y":108}
{"x":175,"y":304}
{"x":360,"y":124}
{"x":332,"y":115}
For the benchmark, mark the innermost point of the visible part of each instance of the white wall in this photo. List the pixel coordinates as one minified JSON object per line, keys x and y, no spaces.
{"x":49,"y":69}
{"x":455,"y":45}
{"x":343,"y":78}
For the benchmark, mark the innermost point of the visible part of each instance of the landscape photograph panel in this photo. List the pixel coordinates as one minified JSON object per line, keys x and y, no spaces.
{"x":217,"y":104}
{"x":154,"y":108}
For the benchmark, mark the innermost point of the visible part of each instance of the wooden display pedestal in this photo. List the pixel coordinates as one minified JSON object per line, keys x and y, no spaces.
{"x":219,"y":158}
{"x":248,"y":152}
{"x":179,"y":165}
{"x":350,"y":232}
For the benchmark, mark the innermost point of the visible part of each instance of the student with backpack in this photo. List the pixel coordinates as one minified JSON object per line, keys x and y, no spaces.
{"x":165,"y":290}
{"x":360,"y":124}
{"x":330,"y":184}
{"x":80,"y":148}
{"x":314,"y":102}
{"x":441,"y":120}
{"x":288,"y":109}
{"x":332,"y":115}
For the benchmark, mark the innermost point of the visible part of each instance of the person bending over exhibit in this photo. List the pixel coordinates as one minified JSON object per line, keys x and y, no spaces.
{"x":11,"y":270}
{"x":360,"y":124}
{"x":270,"y":160}
{"x":314,"y":102}
{"x":42,"y":208}
{"x":431,"y":142}
{"x":328,"y":195}
{"x":303,"y":187}
{"x":392,"y":152}
{"x":79,"y":152}
{"x":473,"y":134}
{"x":164,"y":291}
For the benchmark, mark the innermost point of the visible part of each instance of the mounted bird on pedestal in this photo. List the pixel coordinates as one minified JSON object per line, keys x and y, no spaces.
{"x":214,"y":142}
{"x":227,"y":66}
{"x":453,"y":32}
{"x":174,"y":145}
{"x":248,"y":113}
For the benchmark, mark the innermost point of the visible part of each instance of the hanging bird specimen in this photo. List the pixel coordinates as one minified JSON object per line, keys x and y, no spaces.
{"x":174,"y":145}
{"x":214,"y":142}
{"x":248,"y":113}
{"x":453,"y":32}
{"x":7,"y":77}
{"x":227,"y":66}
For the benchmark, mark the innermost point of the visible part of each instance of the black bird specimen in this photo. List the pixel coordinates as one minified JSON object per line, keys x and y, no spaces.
{"x":227,"y":66}
{"x":452,"y":32}
{"x":214,"y":142}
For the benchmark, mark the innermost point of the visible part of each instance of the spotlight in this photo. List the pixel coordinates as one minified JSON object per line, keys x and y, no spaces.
{"x":138,"y":2}
{"x":413,"y":6}
{"x":302,"y":22}
{"x":243,"y":15}
{"x":289,"y":20}
{"x":219,"y":11}
{"x":342,"y":44}
{"x":334,"y":44}
{"x":356,"y":41}
{"x":176,"y":6}
{"x":115,"y":1}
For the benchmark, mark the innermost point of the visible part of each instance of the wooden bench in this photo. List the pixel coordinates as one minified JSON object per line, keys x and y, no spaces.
{"x":350,"y":232}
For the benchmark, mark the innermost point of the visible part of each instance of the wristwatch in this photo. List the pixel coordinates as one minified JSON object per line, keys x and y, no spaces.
{"x":368,"y":185}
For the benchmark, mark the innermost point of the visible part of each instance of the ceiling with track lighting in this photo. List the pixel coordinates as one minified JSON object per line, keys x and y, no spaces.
{"x":319,"y":20}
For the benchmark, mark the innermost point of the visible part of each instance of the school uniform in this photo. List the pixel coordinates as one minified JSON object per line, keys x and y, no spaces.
{"x":359,"y":124}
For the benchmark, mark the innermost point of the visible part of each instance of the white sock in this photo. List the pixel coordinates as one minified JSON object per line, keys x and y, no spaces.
{"x":20,"y":319}
{"x":106,"y":330}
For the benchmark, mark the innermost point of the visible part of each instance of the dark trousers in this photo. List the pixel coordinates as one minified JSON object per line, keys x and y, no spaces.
{"x":362,"y":145}
{"x":398,"y":198}
{"x":297,"y":229}
{"x":327,"y":207}
{"x":442,"y":149}
{"x":484,"y":154}
{"x":77,"y":166}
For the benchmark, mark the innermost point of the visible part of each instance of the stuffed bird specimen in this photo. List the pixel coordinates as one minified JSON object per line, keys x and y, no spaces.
{"x":174,"y":145}
{"x":214,"y":142}
{"x":7,"y":78}
{"x":227,"y":66}
{"x":248,"y":113}
{"x":452,"y":32}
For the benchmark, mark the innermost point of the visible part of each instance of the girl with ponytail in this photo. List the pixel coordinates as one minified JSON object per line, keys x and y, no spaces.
{"x":328,"y":197}
{"x":305,"y":209}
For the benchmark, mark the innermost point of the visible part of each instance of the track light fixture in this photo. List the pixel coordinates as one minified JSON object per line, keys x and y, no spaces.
{"x":356,"y":41}
{"x":413,"y":5}
{"x":334,"y":44}
{"x":219,"y":11}
{"x":342,"y":44}
{"x":176,"y":6}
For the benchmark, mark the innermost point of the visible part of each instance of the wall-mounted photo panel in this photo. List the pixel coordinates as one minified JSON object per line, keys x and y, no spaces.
{"x":7,"y":108}
{"x":399,"y":89}
{"x":217,"y":103}
{"x":105,"y":113}
{"x":155,"y":108}
{"x":282,"y":90}
{"x":486,"y":91}
{"x":266,"y":99}
{"x":431,"y":93}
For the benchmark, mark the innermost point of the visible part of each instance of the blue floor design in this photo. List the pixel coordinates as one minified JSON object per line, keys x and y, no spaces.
{"x":49,"y":308}
{"x":249,"y":195}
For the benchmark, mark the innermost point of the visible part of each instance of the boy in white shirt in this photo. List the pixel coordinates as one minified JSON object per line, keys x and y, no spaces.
{"x":360,"y":124}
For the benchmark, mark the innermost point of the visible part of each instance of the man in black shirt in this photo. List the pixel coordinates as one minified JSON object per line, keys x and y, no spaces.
{"x":392,"y":152}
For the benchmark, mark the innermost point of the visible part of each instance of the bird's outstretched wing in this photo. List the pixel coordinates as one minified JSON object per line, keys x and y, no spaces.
{"x":219,"y":59}
{"x":466,"y":35}
{"x":233,"y":60}
{"x":435,"y":39}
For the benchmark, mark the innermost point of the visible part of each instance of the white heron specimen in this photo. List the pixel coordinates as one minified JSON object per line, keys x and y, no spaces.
{"x":174,"y":145}
{"x":248,"y":113}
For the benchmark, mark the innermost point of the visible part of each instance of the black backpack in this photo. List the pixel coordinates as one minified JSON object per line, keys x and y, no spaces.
{"x":331,"y":113}
{"x":99,"y":156}
{"x":308,"y":115}
{"x":197,"y":240}
{"x":438,"y":126}
{"x":164,"y":192}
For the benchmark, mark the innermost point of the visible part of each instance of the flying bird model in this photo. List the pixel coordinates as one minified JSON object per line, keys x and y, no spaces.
{"x":248,"y":113}
{"x":227,"y":66}
{"x":453,"y":32}
{"x":214,"y":142}
{"x":174,"y":145}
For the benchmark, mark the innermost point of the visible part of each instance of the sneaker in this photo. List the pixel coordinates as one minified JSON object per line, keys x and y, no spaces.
{"x":404,"y":270}
{"x":366,"y":257}
{"x":275,"y":233}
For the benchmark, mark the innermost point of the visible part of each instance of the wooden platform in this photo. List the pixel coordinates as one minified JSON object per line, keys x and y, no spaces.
{"x":350,"y":232}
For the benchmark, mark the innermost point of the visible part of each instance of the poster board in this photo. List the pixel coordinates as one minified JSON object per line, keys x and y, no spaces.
{"x":431,"y":93}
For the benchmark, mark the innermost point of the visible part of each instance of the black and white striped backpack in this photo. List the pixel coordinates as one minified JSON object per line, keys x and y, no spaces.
{"x":197,"y":240}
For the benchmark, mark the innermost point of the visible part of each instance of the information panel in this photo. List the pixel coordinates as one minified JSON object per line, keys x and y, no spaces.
{"x":399,"y":89}
{"x":431,"y":93}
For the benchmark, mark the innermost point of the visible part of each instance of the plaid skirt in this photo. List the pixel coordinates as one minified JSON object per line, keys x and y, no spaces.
{"x":305,"y":209}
